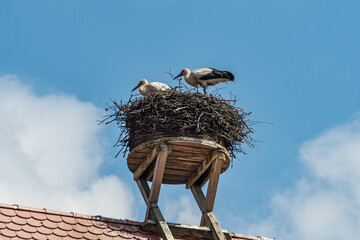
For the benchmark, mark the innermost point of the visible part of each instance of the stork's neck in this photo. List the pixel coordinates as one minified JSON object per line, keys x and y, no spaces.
{"x":187,"y":73}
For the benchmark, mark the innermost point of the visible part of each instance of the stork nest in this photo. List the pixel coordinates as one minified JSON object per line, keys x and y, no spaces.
{"x":178,"y":114}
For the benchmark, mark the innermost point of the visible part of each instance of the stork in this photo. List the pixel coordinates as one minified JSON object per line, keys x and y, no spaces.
{"x":147,"y":89}
{"x":205,"y":77}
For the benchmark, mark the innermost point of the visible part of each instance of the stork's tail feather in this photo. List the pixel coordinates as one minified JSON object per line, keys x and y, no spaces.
{"x":229,"y":75}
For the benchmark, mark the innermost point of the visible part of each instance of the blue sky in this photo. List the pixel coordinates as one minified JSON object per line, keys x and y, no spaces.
{"x":296,"y":66}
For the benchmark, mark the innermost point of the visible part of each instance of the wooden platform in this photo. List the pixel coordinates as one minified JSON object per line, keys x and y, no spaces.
{"x":188,"y":157}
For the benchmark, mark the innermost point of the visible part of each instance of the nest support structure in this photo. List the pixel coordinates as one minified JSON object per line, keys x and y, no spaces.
{"x":178,"y":160}
{"x":180,"y":138}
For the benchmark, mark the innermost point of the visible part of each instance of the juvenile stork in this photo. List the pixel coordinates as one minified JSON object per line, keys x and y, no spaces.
{"x":205,"y":77}
{"x":147,"y":89}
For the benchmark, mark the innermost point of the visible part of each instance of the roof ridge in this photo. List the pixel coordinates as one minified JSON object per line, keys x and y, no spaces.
{"x":68,"y":214}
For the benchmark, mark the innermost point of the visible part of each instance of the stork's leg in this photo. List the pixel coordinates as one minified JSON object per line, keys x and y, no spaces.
{"x":204,"y":85}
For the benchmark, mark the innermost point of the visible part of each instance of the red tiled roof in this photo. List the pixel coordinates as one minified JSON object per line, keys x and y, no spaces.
{"x":18,"y":222}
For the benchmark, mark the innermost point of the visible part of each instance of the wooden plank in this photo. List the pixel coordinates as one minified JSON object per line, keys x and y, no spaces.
{"x":144,"y":189}
{"x":145,"y":164}
{"x":200,"y":200}
{"x":193,"y":142}
{"x":171,"y":179}
{"x":192,"y":154}
{"x":213,"y":183}
{"x":201,"y":169}
{"x":197,"y":149}
{"x":158,"y":174}
{"x":184,"y":166}
{"x":185,"y":173}
{"x":179,"y":158}
{"x":183,"y":230}
{"x":177,"y":140}
{"x":172,"y":160}
{"x":181,"y":166}
{"x":199,"y":196}
{"x":164,"y":229}
{"x":184,"y":158}
{"x":214,"y":226}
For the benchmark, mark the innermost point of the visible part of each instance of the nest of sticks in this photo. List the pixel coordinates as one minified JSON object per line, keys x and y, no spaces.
{"x":176,"y":114}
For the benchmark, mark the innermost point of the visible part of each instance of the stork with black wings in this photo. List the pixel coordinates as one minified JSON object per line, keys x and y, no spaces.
{"x":205,"y":77}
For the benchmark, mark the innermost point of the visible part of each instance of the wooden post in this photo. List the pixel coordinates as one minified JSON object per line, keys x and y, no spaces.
{"x":158,"y":174}
{"x":213,"y":183}
{"x":206,"y":204}
{"x":151,"y":196}
{"x":160,"y":222}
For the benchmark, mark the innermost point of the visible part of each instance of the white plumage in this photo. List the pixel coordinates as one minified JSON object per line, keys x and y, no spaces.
{"x":205,"y":77}
{"x":146,"y":88}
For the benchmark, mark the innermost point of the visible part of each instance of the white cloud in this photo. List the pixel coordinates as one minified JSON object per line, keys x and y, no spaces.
{"x":183,"y":211}
{"x":51,"y":151}
{"x":325,"y":203}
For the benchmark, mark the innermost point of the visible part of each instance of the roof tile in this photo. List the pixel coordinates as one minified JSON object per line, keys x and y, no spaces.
{"x":100,"y":224}
{"x":69,"y":220}
{"x":90,"y":236}
{"x":7,"y":233}
{"x":29,"y":228}
{"x":111,"y":233}
{"x":38,"y":216}
{"x":18,"y":220}
{"x":60,"y":233}
{"x":24,"y":235}
{"x":130,"y":228}
{"x":2,"y":225}
{"x":85,"y":222}
{"x":96,"y":231}
{"x":49,"y":224}
{"x":23,"y":214}
{"x":44,"y":230}
{"x":8,"y":212}
{"x":54,"y":218}
{"x":13,"y":226}
{"x":65,"y":226}
{"x":38,"y":236}
{"x":80,"y":229}
{"x":33,"y":222}
{"x":54,"y":237}
{"x":4,"y":238}
{"x":5,"y":219}
{"x":75,"y":234}
{"x":125,"y":235}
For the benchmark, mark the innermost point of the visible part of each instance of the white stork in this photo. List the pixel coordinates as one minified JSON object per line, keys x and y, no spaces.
{"x":146,"y":88}
{"x":205,"y":77}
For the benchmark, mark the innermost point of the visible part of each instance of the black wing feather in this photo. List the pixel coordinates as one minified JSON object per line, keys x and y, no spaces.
{"x":218,"y":74}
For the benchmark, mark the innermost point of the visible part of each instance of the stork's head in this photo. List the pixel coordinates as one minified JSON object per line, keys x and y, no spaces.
{"x":183,"y":72}
{"x":142,"y":82}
